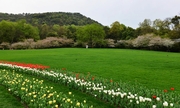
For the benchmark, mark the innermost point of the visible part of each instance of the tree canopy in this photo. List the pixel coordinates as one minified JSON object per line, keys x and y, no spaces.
{"x":50,"y":18}
{"x":92,"y":34}
{"x":17,"y":31}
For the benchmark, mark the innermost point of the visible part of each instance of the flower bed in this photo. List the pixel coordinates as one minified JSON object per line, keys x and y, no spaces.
{"x":33,"y":66}
{"x":116,"y":93}
{"x":35,"y":93}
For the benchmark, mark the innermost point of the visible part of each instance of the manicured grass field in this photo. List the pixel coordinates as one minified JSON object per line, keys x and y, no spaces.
{"x":159,"y":70}
{"x":7,"y":100}
{"x":155,"y":70}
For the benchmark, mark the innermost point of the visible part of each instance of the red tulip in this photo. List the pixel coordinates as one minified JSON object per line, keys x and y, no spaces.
{"x":172,"y":89}
{"x":63,"y":68}
{"x":154,"y":96}
{"x":93,"y":78}
{"x":77,"y":76}
{"x":165,"y":91}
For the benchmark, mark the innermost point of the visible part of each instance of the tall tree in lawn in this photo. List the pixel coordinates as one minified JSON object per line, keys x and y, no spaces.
{"x":116,"y":30}
{"x":92,"y":34}
{"x":19,"y":30}
{"x":43,"y":31}
{"x":58,"y":31}
{"x":62,"y":32}
{"x":175,"y":33}
{"x":176,"y":20}
{"x":161,"y":28}
{"x":128,"y":33}
{"x":106,"y":30}
{"x":123,"y":33}
{"x":145,"y":27}
{"x":53,"y":32}
{"x":7,"y":31}
{"x":71,"y":31}
{"x":31,"y":32}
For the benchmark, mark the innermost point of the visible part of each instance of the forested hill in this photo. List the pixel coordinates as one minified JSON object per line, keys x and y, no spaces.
{"x":50,"y":18}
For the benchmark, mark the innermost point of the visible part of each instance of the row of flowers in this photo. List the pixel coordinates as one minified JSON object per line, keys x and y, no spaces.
{"x":34,"y":66}
{"x":35,"y":94}
{"x":116,"y":93}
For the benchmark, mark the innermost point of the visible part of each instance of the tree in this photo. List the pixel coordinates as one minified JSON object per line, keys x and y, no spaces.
{"x":43,"y":31}
{"x":17,"y":31}
{"x":176,"y":20}
{"x":71,"y":32}
{"x":116,"y":30}
{"x":128,"y":33}
{"x":145,"y":23}
{"x":26,"y":31}
{"x":161,"y":28}
{"x":106,"y":30}
{"x":62,"y":31}
{"x":92,"y":34}
{"x":7,"y":31}
{"x":175,"y":33}
{"x":145,"y":27}
{"x":31,"y":32}
{"x":158,"y":24}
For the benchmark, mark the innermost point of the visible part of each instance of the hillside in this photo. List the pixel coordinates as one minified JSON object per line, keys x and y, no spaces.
{"x":50,"y":18}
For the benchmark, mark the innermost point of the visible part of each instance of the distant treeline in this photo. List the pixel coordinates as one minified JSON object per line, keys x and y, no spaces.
{"x":58,"y":27}
{"x":49,"y":18}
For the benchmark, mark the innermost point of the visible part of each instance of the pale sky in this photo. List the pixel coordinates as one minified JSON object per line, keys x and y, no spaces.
{"x":128,"y":12}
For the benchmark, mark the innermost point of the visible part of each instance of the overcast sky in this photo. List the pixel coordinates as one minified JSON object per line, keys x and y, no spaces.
{"x":128,"y":12}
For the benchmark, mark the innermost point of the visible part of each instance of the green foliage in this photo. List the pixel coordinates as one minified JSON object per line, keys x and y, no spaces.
{"x":145,"y":27}
{"x":106,"y":30}
{"x":161,"y":27}
{"x":49,"y":18}
{"x":43,"y":31}
{"x":71,"y":32}
{"x":120,"y":31}
{"x":175,"y":33}
{"x":7,"y":31}
{"x":116,"y":30}
{"x":17,"y":31}
{"x":29,"y":31}
{"x":77,"y":27}
{"x":168,"y":28}
{"x":176,"y":20}
{"x":92,"y":34}
{"x":128,"y":33}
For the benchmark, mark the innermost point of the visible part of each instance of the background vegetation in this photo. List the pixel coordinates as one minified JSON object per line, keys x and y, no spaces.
{"x":159,"y":34}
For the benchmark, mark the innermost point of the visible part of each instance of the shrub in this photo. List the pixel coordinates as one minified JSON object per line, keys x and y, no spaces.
{"x":151,"y":42}
{"x":176,"y":47}
{"x":50,"y":42}
{"x":19,"y":45}
{"x":5,"y":45}
{"x":27,"y":44}
{"x":162,"y":44}
{"x":124,"y":44}
{"x":142,"y":41}
{"x":110,"y":43}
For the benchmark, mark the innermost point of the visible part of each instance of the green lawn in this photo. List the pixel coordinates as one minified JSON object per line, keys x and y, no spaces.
{"x":152,"y":69}
{"x":159,"y":70}
{"x":7,"y":100}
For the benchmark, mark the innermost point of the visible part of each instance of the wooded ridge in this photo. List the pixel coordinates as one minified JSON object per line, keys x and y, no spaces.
{"x":50,"y":18}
